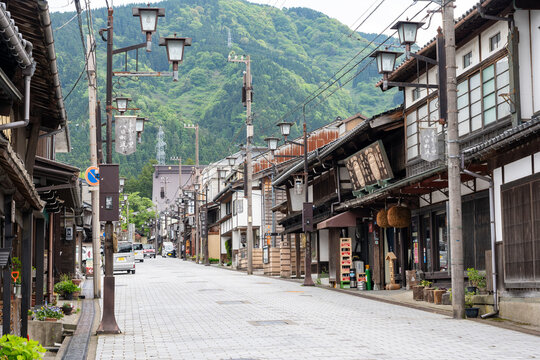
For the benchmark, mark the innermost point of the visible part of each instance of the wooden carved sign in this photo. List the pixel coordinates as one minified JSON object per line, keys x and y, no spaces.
{"x":368,"y":166}
{"x":391,"y":257}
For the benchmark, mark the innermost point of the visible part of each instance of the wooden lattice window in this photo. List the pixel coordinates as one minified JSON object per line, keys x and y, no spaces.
{"x":521,"y":232}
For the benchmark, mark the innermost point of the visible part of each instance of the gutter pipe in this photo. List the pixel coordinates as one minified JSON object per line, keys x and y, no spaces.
{"x":493,"y":244}
{"x":28,"y":73}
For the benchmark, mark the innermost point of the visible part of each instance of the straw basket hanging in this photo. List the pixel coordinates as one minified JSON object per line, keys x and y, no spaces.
{"x":382,"y":219}
{"x":399,"y":217}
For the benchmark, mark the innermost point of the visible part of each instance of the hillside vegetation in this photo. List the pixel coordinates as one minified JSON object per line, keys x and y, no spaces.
{"x":293,"y":52}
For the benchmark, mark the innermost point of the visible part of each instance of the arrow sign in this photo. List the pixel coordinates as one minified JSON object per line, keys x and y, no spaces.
{"x":92,"y":175}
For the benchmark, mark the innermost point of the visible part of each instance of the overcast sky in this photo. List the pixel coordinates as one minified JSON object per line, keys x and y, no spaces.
{"x":349,"y":12}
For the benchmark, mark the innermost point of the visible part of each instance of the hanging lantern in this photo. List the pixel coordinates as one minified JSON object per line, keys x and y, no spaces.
{"x":399,"y":216}
{"x":382,"y":219}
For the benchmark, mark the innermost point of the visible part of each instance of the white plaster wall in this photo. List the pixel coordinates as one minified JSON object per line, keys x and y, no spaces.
{"x":497,"y":182}
{"x":537,"y":162}
{"x":223,"y":239}
{"x":517,"y":169}
{"x":472,"y":46}
{"x":535,"y":32}
{"x":324,"y":244}
{"x":526,"y":83}
{"x":235,"y":240}
{"x":500,"y":26}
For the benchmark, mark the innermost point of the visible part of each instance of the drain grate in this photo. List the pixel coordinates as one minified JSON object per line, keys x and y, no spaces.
{"x":271,"y":322}
{"x":232,"y":302}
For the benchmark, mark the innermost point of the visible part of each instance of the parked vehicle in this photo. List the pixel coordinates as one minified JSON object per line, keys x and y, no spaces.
{"x":138,"y":251}
{"x":167,"y":249}
{"x":149,"y":251}
{"x":124,"y":259}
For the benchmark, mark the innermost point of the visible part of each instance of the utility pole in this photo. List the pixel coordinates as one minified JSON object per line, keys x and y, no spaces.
{"x":454,"y":178}
{"x":197,"y":227}
{"x":180,"y":194}
{"x":249,"y":169}
{"x":94,"y":190}
{"x":206,"y":258}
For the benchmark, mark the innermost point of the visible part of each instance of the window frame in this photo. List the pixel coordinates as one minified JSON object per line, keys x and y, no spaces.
{"x":467,"y":57}
{"x":491,"y":47}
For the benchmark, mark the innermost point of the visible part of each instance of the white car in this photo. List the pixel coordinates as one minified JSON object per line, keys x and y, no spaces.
{"x":138,"y":252}
{"x":124,"y":260}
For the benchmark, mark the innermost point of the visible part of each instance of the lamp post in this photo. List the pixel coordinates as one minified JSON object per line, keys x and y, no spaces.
{"x":148,"y":17}
{"x":307,"y":208}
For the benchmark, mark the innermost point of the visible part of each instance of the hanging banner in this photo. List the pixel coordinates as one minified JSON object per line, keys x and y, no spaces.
{"x":126,"y":137}
{"x":429,"y":150}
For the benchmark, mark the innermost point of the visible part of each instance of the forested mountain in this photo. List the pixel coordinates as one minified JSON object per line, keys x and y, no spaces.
{"x":293,"y":52}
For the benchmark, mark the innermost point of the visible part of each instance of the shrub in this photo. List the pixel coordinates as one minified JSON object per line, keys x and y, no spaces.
{"x":66,"y":287}
{"x":475,"y":278}
{"x":214,"y":261}
{"x":16,"y":347}
{"x":425,"y":283}
{"x":469,"y":299}
{"x":49,"y":311}
{"x":67,"y":306}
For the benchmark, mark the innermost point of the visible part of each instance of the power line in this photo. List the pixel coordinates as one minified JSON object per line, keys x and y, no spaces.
{"x":67,"y":22}
{"x":312,"y":96}
{"x":363,"y":21}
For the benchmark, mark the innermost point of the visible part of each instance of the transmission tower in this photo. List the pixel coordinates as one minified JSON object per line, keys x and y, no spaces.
{"x":160,"y":147}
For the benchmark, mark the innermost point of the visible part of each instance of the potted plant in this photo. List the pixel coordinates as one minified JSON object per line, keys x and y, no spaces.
{"x":66,"y":288}
{"x":418,"y":291}
{"x":49,"y":313}
{"x":476,"y":280}
{"x":427,"y":288}
{"x":67,"y":308}
{"x":470,"y":310}
{"x":16,"y":347}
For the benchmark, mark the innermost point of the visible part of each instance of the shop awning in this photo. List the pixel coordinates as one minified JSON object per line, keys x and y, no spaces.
{"x":346,"y":219}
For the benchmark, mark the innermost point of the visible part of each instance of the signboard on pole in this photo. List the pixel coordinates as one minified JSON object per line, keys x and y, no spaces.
{"x":429,"y":144}
{"x":126,"y":136}
{"x":368,"y":166}
{"x":92,"y":176}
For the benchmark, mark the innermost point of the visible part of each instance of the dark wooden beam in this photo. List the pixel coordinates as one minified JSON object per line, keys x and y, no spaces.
{"x":40,"y":261}
{"x":31,"y":147}
{"x":8,"y":244}
{"x":26,"y":267}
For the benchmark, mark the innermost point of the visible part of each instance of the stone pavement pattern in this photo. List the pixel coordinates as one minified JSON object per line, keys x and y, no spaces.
{"x":169,"y":310}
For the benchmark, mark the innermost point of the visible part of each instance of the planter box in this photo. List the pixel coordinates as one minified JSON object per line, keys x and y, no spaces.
{"x":437,"y":296}
{"x":446,"y":299}
{"x":471,"y":312}
{"x":430,"y":295}
{"x":46,"y":332}
{"x":426,"y":293}
{"x":418,"y":292}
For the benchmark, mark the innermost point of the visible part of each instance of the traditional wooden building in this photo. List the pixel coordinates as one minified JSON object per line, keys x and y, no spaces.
{"x":33,"y":127}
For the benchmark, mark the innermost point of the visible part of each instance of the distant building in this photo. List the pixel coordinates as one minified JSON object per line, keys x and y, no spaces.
{"x":165,"y":184}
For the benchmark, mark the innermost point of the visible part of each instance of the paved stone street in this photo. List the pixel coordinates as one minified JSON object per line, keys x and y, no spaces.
{"x":171,"y":309}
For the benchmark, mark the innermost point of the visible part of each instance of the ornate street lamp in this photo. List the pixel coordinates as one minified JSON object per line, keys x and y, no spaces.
{"x":222,"y":173}
{"x":139,"y":127}
{"x":122,"y":182}
{"x":231,"y":160}
{"x":272,"y":143}
{"x":386,"y":60}
{"x":149,"y":17}
{"x":285,"y":128}
{"x":175,"y":50}
{"x":407,"y":31}
{"x":122,"y":104}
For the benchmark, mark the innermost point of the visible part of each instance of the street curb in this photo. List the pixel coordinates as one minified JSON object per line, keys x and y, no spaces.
{"x":504,"y":324}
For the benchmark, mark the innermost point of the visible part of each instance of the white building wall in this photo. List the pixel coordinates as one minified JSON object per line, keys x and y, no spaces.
{"x":472,"y":46}
{"x":510,"y":172}
{"x":529,"y":66}
{"x":324,"y":244}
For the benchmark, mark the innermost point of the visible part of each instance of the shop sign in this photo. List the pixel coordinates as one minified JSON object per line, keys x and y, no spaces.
{"x":265,"y":255}
{"x":369,"y":166}
{"x":429,"y":150}
{"x":126,"y":136}
{"x":416,"y":253}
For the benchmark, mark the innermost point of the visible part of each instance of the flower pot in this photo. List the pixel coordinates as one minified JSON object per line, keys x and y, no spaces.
{"x":18,"y":290}
{"x":471,"y":289}
{"x":471,"y":312}
{"x":51,"y":319}
{"x":68,"y":296}
{"x":76,"y":281}
{"x":418,"y":292}
{"x":67,"y":311}
{"x":437,"y":296}
{"x":76,"y":295}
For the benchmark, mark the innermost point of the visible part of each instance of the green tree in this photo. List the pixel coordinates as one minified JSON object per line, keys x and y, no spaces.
{"x":141,"y":211}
